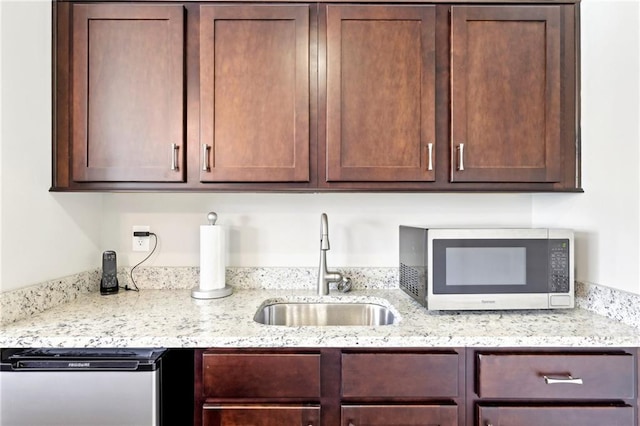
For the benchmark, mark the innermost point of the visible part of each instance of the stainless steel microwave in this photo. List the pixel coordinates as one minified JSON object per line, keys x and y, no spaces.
{"x":469,"y":269}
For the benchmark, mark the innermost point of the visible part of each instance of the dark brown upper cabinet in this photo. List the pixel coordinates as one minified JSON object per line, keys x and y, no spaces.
{"x":316,"y":97}
{"x":505,"y":94}
{"x":254,"y":93}
{"x":127,"y":101}
{"x":380,"y":107}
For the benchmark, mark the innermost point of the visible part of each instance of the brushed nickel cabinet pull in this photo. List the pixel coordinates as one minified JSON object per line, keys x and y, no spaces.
{"x":563,"y":380}
{"x":205,"y":157}
{"x":174,"y":156}
{"x":430,"y":149}
{"x":461,"y":157}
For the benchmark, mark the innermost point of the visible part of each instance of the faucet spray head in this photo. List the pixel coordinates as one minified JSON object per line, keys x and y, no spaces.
{"x":324,"y":232}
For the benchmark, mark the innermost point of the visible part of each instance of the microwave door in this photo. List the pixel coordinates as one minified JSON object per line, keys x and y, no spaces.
{"x":490,"y":266}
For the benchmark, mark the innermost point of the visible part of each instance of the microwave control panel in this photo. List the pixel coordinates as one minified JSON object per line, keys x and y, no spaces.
{"x":559,"y":266}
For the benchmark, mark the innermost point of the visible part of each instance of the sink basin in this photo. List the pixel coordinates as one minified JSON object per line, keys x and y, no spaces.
{"x":324,"y":314}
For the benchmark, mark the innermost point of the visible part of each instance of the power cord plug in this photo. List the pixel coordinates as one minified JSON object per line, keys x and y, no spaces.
{"x":155,"y":245}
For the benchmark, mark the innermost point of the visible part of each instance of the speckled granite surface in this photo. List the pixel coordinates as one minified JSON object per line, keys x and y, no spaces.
{"x":171,"y":318}
{"x":71,"y":312}
{"x":615,"y":304}
{"x":23,"y":303}
{"x":29,"y":301}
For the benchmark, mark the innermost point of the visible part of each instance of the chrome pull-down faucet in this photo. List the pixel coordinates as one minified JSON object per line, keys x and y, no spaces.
{"x":324,"y":275}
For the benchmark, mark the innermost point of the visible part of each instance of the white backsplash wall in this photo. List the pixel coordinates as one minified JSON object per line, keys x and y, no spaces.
{"x":607,"y":216}
{"x":284,"y":229}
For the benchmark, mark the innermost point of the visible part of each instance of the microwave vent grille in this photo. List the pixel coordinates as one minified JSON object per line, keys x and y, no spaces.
{"x":412,"y":282}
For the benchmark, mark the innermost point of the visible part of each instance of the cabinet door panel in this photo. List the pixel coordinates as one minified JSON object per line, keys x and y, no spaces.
{"x":261,"y":375}
{"x":505,"y":83}
{"x":556,"y":416}
{"x":260,"y":415}
{"x":128,"y":97}
{"x":380,"y":93}
{"x":254,"y":93}
{"x":399,"y":415}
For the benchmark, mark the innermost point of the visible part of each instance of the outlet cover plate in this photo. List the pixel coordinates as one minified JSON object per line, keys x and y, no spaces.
{"x":140,"y":243}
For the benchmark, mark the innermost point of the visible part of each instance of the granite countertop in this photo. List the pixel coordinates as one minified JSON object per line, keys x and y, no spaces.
{"x":171,"y":318}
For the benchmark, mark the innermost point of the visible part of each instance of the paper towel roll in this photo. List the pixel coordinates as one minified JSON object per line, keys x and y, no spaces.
{"x":212,"y":257}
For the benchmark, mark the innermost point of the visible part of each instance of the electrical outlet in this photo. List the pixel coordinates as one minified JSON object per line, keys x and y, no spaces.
{"x":140,"y":243}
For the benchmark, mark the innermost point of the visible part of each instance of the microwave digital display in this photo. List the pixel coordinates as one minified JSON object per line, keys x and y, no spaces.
{"x":486,"y":266}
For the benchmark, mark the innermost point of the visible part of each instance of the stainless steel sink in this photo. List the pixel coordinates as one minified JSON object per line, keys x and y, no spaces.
{"x":298,"y":314}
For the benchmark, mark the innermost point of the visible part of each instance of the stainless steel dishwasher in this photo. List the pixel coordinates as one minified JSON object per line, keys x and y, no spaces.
{"x":85,"y":387}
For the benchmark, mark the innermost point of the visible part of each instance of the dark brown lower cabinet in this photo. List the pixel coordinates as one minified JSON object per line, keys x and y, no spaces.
{"x":612,"y":415}
{"x":552,"y":387}
{"x":263,"y":415}
{"x":399,"y":415}
{"x":329,"y":387}
{"x":416,"y":387}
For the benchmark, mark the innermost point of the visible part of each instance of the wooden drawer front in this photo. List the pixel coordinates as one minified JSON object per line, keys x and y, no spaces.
{"x":399,"y":415}
{"x":556,"y":416}
{"x":399,"y":375}
{"x":261,"y":376}
{"x":263,"y":415}
{"x":523,"y":376}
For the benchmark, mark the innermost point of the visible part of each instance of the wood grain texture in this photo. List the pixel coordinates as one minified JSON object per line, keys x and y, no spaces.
{"x":254,"y":93}
{"x":380,"y":93}
{"x":522,"y":376}
{"x":128,"y":102}
{"x":399,"y":375}
{"x":399,"y":415}
{"x":263,"y":415}
{"x":261,"y":376}
{"x":549,"y":415}
{"x":505,"y":82}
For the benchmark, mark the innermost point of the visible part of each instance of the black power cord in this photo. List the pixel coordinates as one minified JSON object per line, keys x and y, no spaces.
{"x":155,"y":245}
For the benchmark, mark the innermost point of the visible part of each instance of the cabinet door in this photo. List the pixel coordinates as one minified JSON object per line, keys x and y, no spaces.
{"x":128,"y":100}
{"x":260,"y":415}
{"x":399,"y":415}
{"x":254,"y":93}
{"x":380,"y":93}
{"x":505,"y":94}
{"x":556,"y":416}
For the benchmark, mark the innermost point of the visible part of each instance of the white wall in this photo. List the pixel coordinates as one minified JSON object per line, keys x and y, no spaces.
{"x":284,"y":229}
{"x":607,"y":215}
{"x":44,"y":235}
{"x":67,"y":232}
{"x":1,"y":175}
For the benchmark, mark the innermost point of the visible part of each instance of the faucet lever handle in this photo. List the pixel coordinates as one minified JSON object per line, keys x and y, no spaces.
{"x":344,"y":286}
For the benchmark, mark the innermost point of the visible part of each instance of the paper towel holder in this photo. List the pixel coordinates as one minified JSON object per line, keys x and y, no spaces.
{"x":197,"y":292}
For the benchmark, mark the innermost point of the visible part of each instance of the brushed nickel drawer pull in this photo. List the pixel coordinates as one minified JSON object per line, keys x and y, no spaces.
{"x":174,"y":156}
{"x":461,"y":157}
{"x":205,"y":157}
{"x":430,"y":148}
{"x":560,"y":380}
